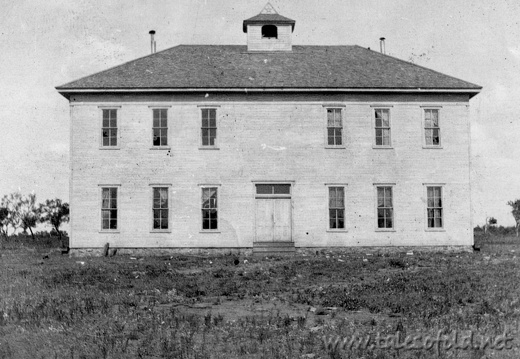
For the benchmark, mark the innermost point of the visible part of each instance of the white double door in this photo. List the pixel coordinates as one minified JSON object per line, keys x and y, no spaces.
{"x":273,"y":219}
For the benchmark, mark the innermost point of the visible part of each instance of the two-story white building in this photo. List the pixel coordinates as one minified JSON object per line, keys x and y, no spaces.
{"x":269,"y":146}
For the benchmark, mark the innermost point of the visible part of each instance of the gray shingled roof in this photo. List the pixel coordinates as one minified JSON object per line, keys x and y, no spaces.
{"x":232,"y":67}
{"x":264,"y":19}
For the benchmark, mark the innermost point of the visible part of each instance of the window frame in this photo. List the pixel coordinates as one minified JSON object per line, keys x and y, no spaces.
{"x":374,"y":127}
{"x":424,"y":129}
{"x":344,"y":187}
{"x":392,"y":187}
{"x":168,"y":126}
{"x":201,"y":208}
{"x":341,"y":109}
{"x":118,"y":217}
{"x":216,"y":143}
{"x":443,"y":216}
{"x":118,"y":127}
{"x":153,"y":186}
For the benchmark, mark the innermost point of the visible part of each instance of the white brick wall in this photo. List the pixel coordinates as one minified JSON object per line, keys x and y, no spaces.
{"x":265,"y":139}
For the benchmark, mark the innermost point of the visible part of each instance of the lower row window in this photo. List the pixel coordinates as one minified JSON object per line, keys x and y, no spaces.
{"x":109,"y":208}
{"x":160,"y":208}
{"x":209,"y":207}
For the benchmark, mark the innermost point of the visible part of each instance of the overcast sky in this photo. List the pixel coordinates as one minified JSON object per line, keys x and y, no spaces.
{"x":44,"y":44}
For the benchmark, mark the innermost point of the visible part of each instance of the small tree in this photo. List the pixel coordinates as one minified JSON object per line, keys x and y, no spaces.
{"x":4,"y":212}
{"x":29,"y":213}
{"x":490,"y":222}
{"x":55,"y":213}
{"x":12,"y":203}
{"x":516,"y":213}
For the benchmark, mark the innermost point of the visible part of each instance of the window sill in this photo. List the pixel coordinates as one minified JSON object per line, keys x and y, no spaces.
{"x":385,"y":230}
{"x":435,"y":230}
{"x":208,"y":148}
{"x":161,"y":231}
{"x":337,"y":230}
{"x":432,"y":147}
{"x":209,"y":231}
{"x":161,"y":148}
{"x":109,"y":147}
{"x":110,"y":231}
{"x":382,"y":147}
{"x":335,"y":147}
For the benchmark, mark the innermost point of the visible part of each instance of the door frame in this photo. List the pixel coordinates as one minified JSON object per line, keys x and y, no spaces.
{"x":291,"y":183}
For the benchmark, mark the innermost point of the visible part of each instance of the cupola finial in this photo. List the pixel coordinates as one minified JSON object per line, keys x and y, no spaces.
{"x":268,"y":9}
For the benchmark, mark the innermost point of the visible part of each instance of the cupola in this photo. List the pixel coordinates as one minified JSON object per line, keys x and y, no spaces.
{"x":269,"y":31}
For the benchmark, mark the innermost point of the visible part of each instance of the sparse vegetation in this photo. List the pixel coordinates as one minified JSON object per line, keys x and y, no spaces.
{"x":515,"y":205}
{"x":55,"y":213}
{"x":207,"y":307}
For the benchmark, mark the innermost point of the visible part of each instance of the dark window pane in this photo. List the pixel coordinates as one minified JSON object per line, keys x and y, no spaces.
{"x":264,"y":189}
{"x":212,"y":135}
{"x":380,"y":197}
{"x":282,"y":188}
{"x":113,"y":224}
{"x":156,"y":137}
{"x":341,"y":223}
{"x":380,"y":223}
{"x":435,"y":136}
{"x":389,"y":223}
{"x":380,"y":213}
{"x":164,"y":214}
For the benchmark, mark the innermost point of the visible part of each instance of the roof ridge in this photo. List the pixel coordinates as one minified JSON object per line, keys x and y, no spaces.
{"x":420,"y":66}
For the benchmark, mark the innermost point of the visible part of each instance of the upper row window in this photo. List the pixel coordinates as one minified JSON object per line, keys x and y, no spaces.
{"x":160,"y":127}
{"x":382,"y":128}
{"x":109,"y":127}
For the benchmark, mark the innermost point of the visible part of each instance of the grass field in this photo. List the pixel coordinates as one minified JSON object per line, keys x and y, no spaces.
{"x":53,"y":306}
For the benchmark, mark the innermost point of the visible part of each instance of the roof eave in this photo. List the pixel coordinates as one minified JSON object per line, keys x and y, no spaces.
{"x":66,"y":92}
{"x":268,"y":22}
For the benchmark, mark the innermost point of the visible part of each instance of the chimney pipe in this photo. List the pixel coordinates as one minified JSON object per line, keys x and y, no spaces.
{"x":152,"y":41}
{"x":382,"y":45}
